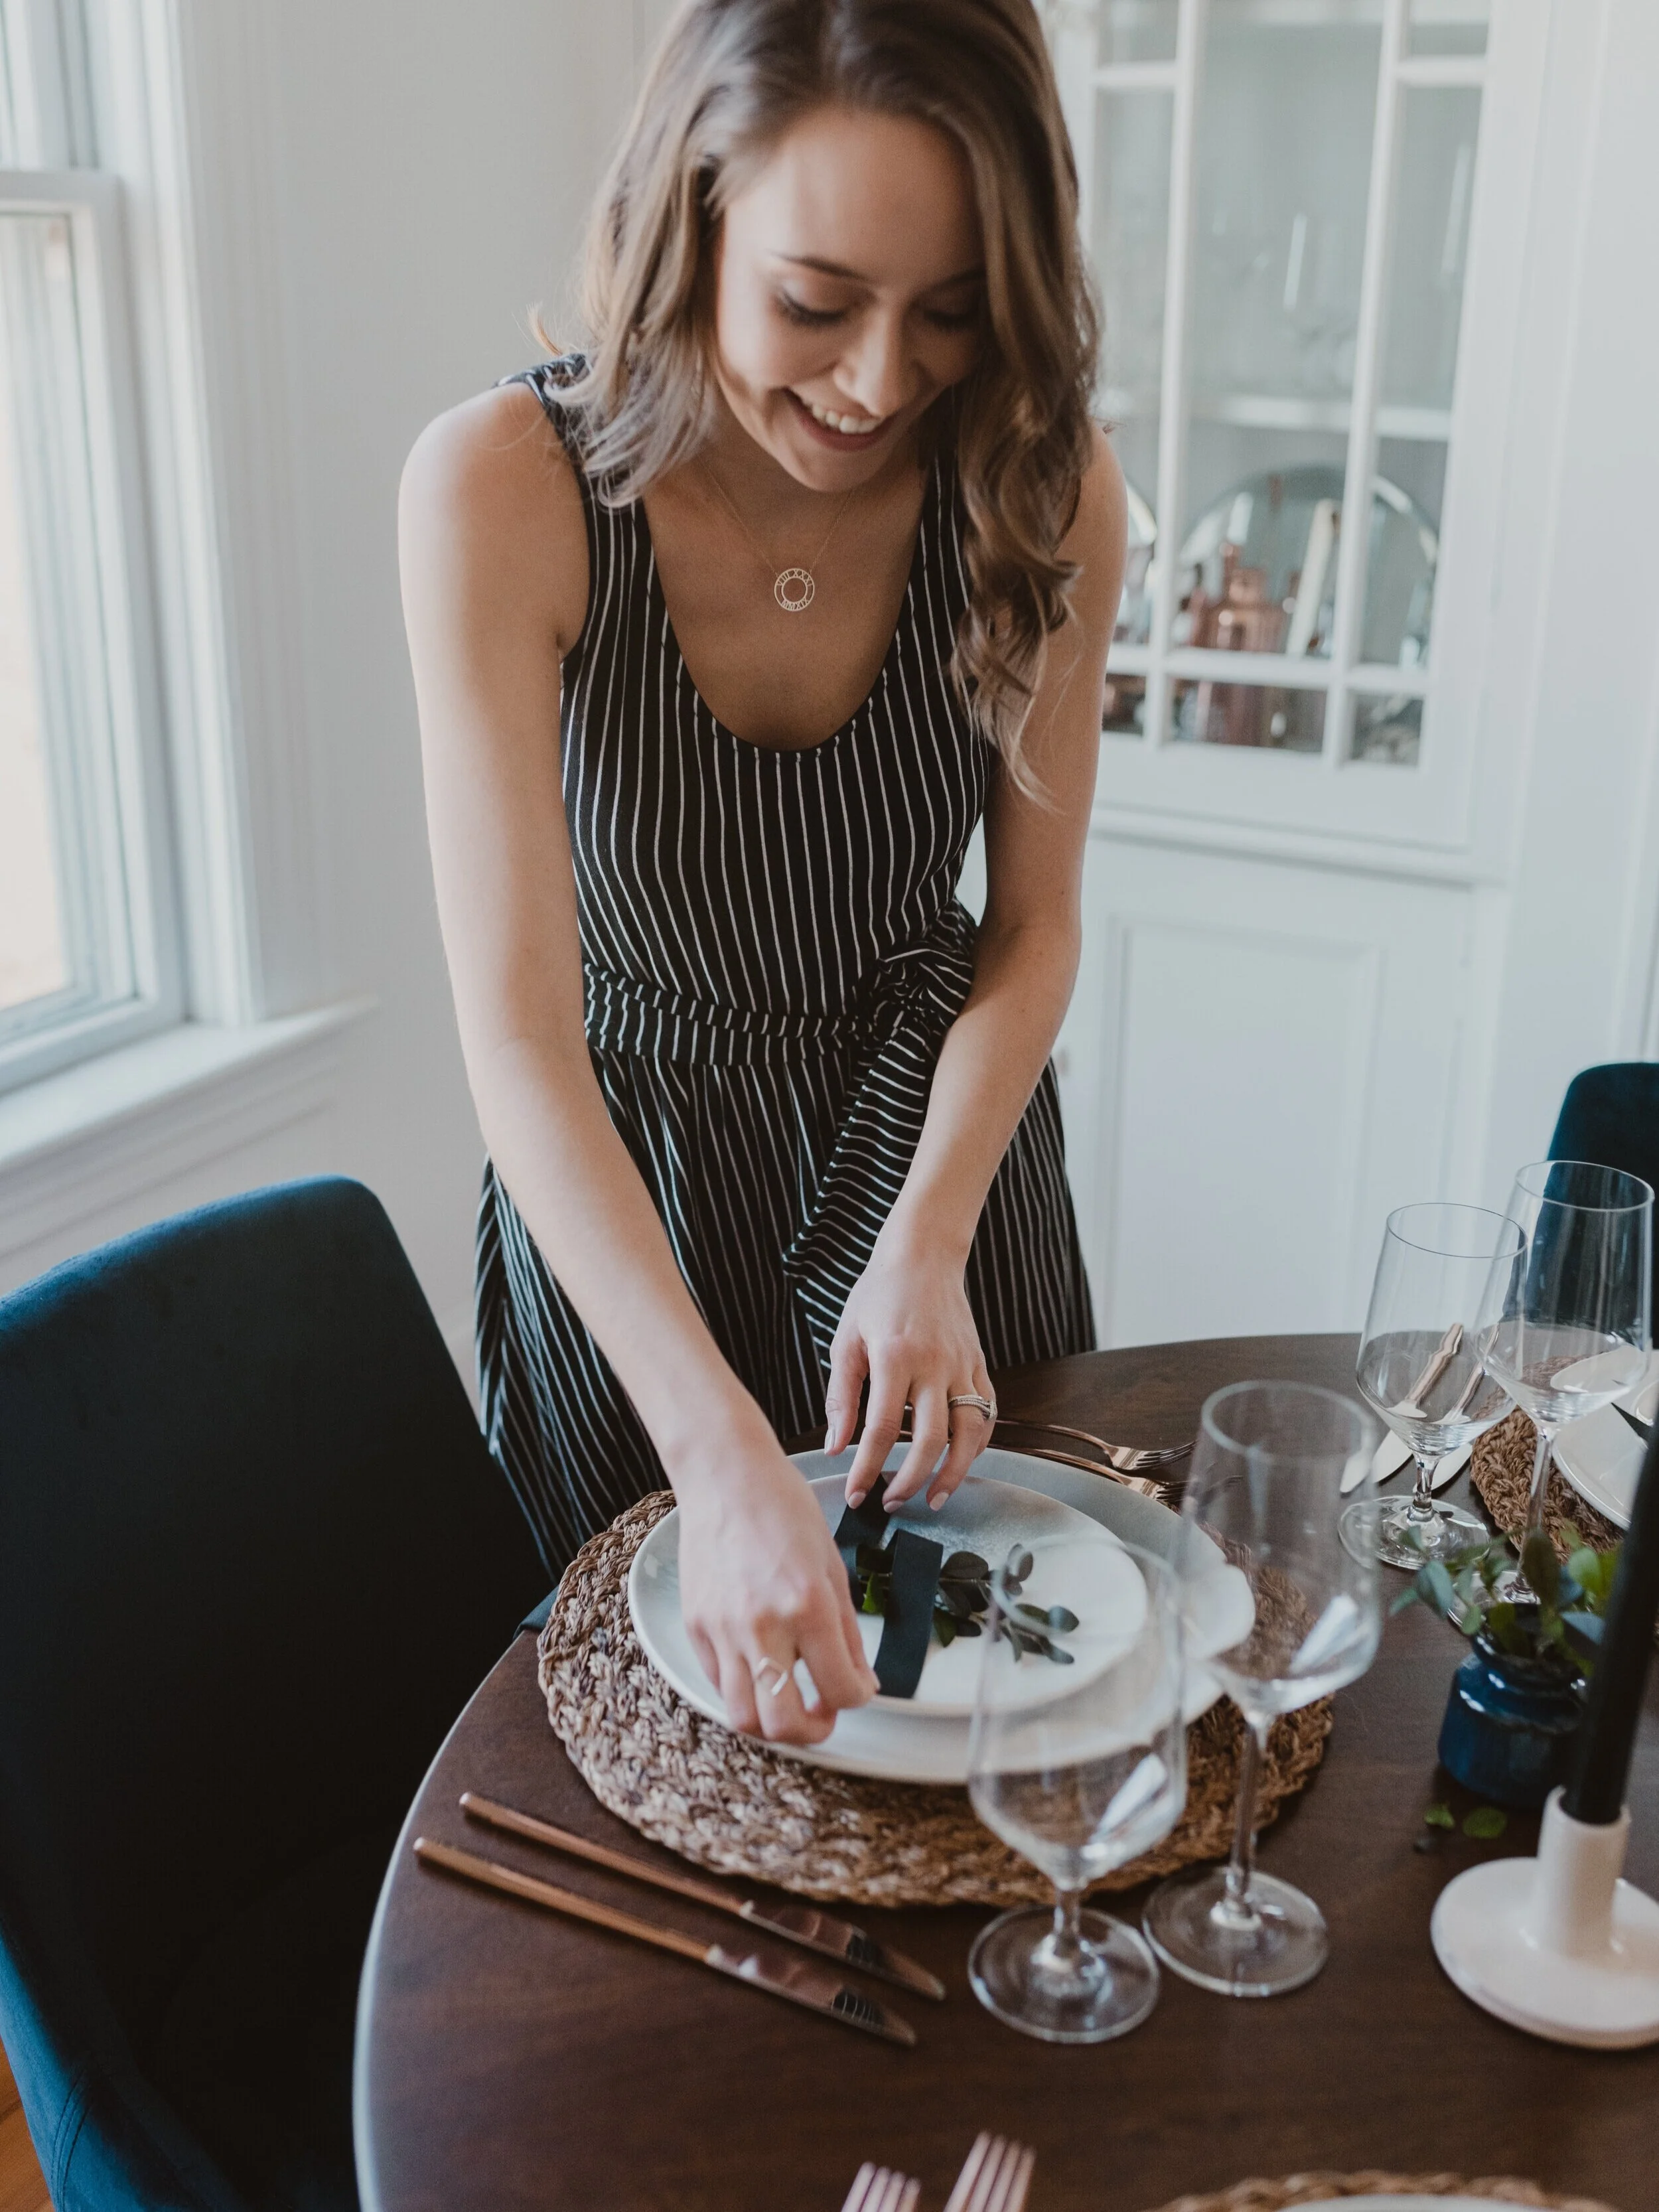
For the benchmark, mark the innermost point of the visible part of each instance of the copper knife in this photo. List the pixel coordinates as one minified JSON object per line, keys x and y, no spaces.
{"x":797,"y":1979}
{"x":796,"y":1923}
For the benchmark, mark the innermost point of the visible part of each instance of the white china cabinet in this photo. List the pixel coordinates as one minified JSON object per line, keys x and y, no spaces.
{"x":1307,"y":218}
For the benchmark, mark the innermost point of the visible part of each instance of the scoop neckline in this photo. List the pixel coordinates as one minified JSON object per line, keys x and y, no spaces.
{"x":846,"y":729}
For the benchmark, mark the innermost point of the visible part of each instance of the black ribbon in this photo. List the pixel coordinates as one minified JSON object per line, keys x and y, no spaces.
{"x":915,"y":1562}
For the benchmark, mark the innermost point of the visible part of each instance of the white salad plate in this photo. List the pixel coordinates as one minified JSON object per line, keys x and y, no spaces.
{"x":1600,"y":1455}
{"x":1008,"y":1500}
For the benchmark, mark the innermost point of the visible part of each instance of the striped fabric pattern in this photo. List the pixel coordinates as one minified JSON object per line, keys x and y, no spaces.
{"x":772,"y":953}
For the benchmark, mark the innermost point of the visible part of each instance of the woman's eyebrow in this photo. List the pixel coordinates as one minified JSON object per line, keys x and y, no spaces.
{"x":857,"y":275}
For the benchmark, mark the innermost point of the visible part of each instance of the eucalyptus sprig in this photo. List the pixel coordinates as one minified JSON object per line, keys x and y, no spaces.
{"x":1565,"y":1619}
{"x":963,"y":1596}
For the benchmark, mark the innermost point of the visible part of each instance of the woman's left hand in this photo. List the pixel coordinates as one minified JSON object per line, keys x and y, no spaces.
{"x":908,"y":1327}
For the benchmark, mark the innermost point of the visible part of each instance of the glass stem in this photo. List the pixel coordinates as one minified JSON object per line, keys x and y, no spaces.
{"x":1241,"y":1867}
{"x":1422,"y":1505}
{"x":1065,"y":1946}
{"x":1540,"y":1479}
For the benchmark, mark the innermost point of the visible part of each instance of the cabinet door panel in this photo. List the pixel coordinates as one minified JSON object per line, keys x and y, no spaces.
{"x":1260,"y":1061}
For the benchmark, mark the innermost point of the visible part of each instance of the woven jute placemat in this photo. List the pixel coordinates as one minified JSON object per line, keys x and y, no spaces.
{"x":729,"y":1803}
{"x":1500,"y":1468}
{"x":1314,"y":2188}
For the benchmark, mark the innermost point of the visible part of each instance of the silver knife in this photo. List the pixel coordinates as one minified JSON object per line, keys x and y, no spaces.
{"x":796,"y":1923}
{"x":1394,"y":1452}
{"x":797,"y":1979}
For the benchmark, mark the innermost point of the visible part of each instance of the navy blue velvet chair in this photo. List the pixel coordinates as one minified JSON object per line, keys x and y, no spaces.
{"x":1611,"y":1116}
{"x":254,"y":1557}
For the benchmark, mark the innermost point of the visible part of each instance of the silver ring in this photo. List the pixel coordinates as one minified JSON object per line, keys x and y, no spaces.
{"x":985,"y":1407}
{"x":765,"y":1673}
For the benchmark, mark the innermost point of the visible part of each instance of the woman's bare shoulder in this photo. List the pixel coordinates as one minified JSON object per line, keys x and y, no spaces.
{"x":490,"y":498}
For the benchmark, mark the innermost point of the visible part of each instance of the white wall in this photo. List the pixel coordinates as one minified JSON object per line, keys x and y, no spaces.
{"x":427,"y":168}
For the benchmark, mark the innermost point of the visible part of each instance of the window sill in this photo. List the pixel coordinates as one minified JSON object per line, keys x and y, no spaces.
{"x":99,"y":1133}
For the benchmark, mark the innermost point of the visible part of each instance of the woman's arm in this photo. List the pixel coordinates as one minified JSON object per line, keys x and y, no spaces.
{"x":493,"y":554}
{"x":907,"y":1325}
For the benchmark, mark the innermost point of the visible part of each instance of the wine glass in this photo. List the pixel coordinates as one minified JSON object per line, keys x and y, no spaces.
{"x":1266,"y":1484}
{"x":1420,"y":1366}
{"x":1568,"y":1331}
{"x":1079,"y":1763}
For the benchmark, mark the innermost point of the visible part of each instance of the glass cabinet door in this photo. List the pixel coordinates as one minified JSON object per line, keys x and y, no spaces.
{"x":1277,"y":197}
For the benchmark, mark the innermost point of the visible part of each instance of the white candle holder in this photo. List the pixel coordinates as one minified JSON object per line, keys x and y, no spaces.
{"x":1558,"y":1945}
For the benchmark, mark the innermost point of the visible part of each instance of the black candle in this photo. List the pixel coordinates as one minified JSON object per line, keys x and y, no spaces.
{"x":1597,"y":1791}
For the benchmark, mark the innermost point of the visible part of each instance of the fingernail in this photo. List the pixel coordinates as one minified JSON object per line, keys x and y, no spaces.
{"x":936,"y":1503}
{"x":855,"y":1498}
{"x":829,"y":1437}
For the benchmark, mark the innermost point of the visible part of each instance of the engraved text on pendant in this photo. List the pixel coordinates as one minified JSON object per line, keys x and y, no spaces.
{"x":794,"y":591}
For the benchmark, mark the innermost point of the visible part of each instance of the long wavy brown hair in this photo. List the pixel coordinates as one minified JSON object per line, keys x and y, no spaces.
{"x":729,"y":78}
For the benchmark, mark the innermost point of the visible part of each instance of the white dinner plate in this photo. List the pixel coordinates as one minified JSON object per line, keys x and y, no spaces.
{"x":1413,"y":2203}
{"x":1600,"y":1455}
{"x":888,"y":1737}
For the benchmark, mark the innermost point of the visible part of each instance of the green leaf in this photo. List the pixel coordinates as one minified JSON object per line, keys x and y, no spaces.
{"x":1441,"y":1583}
{"x":1484,"y":1822}
{"x":871,"y":1598}
{"x":1541,"y":1566}
{"x":1401,"y":1599}
{"x":1438,"y":1816}
{"x":945,"y":1628}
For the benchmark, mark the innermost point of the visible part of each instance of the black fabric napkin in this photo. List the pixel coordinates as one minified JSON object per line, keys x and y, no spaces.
{"x":916,"y":1561}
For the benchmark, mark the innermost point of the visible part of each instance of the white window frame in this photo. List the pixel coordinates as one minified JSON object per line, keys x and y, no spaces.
{"x":102,"y":723}
{"x":251,"y":1038}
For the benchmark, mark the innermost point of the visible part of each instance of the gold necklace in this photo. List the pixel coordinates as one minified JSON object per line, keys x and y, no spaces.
{"x":794,"y":589}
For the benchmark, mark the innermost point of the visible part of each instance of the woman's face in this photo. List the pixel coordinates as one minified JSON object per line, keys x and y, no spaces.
{"x":850,"y":284}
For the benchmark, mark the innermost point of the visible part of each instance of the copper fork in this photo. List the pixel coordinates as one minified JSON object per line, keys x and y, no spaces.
{"x":879,"y":2189}
{"x":1132,"y":1466}
{"x":997,"y":2177}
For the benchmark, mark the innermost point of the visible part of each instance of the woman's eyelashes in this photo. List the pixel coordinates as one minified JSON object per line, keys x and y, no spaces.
{"x":797,"y":311}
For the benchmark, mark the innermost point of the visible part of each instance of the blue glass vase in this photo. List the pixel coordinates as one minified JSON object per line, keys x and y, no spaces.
{"x":1508,"y":1734}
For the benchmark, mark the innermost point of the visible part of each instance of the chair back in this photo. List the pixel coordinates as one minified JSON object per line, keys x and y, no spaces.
{"x":254,"y":1557}
{"x":1611,"y":1116}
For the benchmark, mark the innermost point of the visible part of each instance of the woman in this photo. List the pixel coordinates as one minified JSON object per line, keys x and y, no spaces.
{"x":723,"y":638}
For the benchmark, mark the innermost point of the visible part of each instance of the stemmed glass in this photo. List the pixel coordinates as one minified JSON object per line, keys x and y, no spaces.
{"x":1266,"y":1485}
{"x":1420,"y":1366}
{"x":1568,"y":1331}
{"x":1080,"y":1768}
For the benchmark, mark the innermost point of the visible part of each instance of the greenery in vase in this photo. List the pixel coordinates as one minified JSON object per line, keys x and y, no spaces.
{"x":1564,"y":1623}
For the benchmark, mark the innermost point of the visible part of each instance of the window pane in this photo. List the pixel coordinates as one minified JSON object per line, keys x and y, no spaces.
{"x":1433,"y":183}
{"x":1388,"y":728}
{"x":1268,"y":715}
{"x":1129,"y":236}
{"x":1138,"y":30}
{"x":32,"y":962}
{"x":1448,"y":27}
{"x":1284,"y":165}
{"x":1438,"y":134}
{"x":64,"y":935}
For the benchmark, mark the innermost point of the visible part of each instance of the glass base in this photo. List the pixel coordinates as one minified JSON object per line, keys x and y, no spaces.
{"x":1373,"y":1531}
{"x":1114,"y":1989}
{"x":1278,"y":1942}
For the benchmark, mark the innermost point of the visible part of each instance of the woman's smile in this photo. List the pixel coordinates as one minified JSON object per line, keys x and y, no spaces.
{"x":841,"y":432}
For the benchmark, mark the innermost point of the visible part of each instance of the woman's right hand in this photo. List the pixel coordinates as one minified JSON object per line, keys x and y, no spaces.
{"x":762,"y":1585}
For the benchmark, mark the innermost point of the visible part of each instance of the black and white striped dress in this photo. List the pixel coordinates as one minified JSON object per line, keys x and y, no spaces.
{"x":773,"y":951}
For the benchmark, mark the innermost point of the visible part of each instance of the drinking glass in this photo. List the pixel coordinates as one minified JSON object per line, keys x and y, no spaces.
{"x":1568,"y":1331}
{"x":1079,"y":1767}
{"x":1420,"y":1366}
{"x":1266,"y":1486}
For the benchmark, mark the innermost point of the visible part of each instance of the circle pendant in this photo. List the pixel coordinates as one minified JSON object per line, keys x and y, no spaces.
{"x":794,"y":591}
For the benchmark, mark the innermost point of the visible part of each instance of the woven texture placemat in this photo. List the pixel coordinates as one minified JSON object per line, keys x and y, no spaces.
{"x":1312,"y":2188}
{"x":1500,"y":1467}
{"x":728,"y":1803}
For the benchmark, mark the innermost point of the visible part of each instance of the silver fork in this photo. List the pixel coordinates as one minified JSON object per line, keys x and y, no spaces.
{"x":1127,"y":1465}
{"x":879,"y":2189}
{"x":996,"y":2178}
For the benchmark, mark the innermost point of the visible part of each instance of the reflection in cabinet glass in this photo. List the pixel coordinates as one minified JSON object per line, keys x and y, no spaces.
{"x":1277,"y":195}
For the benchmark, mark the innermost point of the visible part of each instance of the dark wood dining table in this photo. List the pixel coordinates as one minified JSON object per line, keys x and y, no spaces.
{"x":508,"y":2058}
